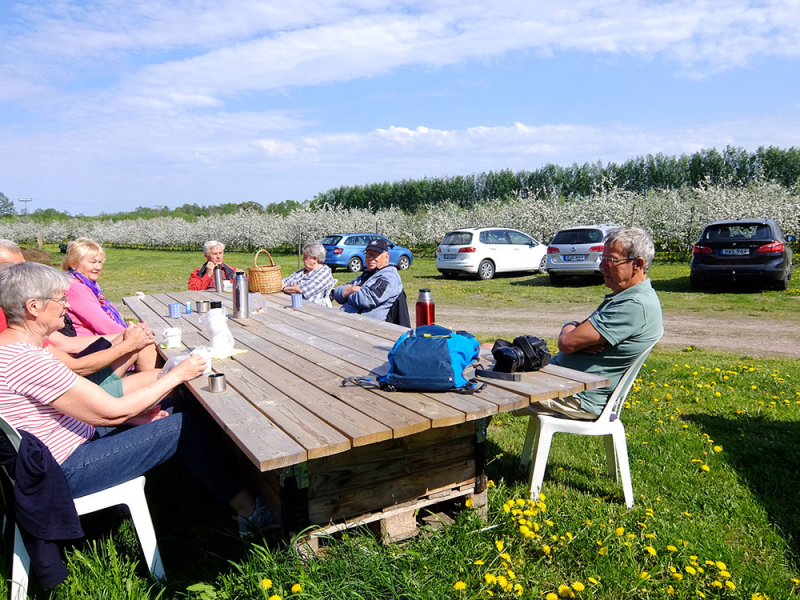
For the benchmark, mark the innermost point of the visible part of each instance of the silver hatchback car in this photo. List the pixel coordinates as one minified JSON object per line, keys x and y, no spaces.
{"x":576,"y":251}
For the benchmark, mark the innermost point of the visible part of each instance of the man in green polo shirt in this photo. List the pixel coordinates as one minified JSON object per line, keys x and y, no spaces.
{"x":625,"y":324}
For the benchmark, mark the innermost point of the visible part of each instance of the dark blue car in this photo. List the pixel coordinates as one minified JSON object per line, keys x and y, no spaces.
{"x":346,"y":251}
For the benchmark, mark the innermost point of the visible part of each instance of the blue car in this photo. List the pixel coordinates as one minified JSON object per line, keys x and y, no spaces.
{"x":346,"y":251}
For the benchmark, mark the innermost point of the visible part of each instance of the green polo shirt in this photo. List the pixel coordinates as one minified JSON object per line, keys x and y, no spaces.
{"x":630,"y":321}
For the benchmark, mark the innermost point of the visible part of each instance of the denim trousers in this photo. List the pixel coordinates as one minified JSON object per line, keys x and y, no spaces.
{"x":118,"y":454}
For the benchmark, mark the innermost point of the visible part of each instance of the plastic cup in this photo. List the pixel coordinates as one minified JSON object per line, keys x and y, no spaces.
{"x":172,"y":337}
{"x":297,"y":300}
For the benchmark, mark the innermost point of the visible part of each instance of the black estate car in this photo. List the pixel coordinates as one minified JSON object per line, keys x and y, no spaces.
{"x":753,"y":250}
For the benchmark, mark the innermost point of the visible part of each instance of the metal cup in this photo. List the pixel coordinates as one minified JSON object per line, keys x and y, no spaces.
{"x":216,"y":382}
{"x":202,"y":306}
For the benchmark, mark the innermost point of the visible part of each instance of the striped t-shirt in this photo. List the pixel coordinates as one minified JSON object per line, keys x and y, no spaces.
{"x":30,"y":379}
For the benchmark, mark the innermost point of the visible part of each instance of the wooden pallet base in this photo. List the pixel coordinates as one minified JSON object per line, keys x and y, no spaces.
{"x":399,"y":522}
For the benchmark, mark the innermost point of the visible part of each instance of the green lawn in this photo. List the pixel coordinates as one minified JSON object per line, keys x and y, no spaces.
{"x":714,"y":444}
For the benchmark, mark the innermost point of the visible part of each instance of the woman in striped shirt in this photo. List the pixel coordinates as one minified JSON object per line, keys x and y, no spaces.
{"x":41,"y":395}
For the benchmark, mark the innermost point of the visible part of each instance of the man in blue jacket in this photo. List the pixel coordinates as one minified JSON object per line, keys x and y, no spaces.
{"x":374,"y":291}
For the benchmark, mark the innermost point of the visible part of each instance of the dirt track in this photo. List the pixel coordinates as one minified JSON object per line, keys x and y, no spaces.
{"x":775,"y":337}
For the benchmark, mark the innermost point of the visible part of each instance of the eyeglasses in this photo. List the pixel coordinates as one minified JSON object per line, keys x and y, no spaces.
{"x":63,"y":301}
{"x":613,"y":260}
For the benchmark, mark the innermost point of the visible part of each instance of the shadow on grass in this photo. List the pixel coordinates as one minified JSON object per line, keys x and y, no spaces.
{"x":681,"y":284}
{"x":766,"y":454}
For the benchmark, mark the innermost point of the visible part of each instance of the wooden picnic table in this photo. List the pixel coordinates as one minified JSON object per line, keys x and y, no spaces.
{"x":337,"y":456}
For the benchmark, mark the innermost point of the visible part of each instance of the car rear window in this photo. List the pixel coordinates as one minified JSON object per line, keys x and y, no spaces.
{"x":578,"y":236}
{"x":331,"y":240}
{"x":739,"y":231}
{"x":457,"y":238}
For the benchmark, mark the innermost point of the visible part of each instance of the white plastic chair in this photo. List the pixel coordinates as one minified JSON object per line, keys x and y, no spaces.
{"x":541,"y":428}
{"x":130,"y":493}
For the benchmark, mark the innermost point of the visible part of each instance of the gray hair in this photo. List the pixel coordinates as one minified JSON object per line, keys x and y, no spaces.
{"x":10,"y":246}
{"x":315,"y":249}
{"x":212,"y":244}
{"x":637,"y":243}
{"x":23,"y":281}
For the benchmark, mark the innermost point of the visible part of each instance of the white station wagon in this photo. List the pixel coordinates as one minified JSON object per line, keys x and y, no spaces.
{"x":488,"y":250}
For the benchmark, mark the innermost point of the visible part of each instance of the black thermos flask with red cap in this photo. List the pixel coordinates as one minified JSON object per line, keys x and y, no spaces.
{"x":425,"y":308}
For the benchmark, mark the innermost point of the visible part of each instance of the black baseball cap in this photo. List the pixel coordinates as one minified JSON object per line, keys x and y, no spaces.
{"x":378,"y":245}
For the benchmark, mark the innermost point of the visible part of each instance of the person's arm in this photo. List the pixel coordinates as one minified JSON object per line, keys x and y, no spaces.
{"x":198,"y":282}
{"x":89,"y":403}
{"x":576,"y":336}
{"x":73,"y":344}
{"x":132,"y":340}
{"x":342,"y":292}
{"x":87,"y":314}
{"x":375,"y":291}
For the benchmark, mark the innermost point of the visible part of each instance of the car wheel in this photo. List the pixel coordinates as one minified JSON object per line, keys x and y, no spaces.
{"x":782,"y":284}
{"x":555,"y":279}
{"x":403,"y":263}
{"x":486,"y":269}
{"x":449,"y":274}
{"x":543,"y":265}
{"x":355,"y":264}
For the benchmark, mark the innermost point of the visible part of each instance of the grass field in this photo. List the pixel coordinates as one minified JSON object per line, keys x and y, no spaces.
{"x":714,"y":443}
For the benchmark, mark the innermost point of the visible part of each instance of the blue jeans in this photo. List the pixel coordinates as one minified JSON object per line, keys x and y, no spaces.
{"x":118,"y":454}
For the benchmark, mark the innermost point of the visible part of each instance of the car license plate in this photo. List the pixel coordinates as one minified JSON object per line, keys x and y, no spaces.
{"x":449,"y":256}
{"x":574,"y":257}
{"x":735,"y":251}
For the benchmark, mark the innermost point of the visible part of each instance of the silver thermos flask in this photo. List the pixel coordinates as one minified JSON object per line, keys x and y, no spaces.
{"x":240,"y":309}
{"x":219,"y":277}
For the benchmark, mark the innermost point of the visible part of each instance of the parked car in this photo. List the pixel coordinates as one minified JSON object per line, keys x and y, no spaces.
{"x":576,"y":251}
{"x":742,"y":250}
{"x":346,"y":251}
{"x":489,"y":250}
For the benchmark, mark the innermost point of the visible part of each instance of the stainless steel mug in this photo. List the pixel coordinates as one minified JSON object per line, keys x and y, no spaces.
{"x":216,"y":382}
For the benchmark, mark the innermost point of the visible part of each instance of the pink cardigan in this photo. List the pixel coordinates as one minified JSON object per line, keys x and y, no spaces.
{"x":86,"y":313}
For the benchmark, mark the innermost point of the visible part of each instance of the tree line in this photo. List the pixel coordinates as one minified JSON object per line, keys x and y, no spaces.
{"x":733,"y":166}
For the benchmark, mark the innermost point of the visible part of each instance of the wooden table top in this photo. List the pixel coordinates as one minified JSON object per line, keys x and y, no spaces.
{"x":285,"y":403}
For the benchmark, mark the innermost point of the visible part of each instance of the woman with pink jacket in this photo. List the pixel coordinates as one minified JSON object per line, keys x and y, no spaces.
{"x":91,"y":312}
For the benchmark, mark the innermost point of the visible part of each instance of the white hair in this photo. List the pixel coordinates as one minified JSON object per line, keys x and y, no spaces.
{"x":212,"y":244}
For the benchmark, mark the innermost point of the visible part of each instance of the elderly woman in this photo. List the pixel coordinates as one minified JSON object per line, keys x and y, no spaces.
{"x":314,"y":280}
{"x":40,"y":395}
{"x":202,"y":278}
{"x":91,"y":312}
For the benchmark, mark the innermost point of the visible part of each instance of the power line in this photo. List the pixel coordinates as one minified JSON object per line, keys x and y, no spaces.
{"x":25,"y":201}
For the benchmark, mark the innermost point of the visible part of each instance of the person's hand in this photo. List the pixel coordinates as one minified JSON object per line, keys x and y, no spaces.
{"x":350,"y":289}
{"x":292,"y":289}
{"x":146,"y":328}
{"x":190,"y":368}
{"x":154,"y":414}
{"x":210,"y":267}
{"x":137,"y":338}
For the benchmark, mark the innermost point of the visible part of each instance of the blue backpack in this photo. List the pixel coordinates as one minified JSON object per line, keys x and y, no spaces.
{"x":432,"y":358}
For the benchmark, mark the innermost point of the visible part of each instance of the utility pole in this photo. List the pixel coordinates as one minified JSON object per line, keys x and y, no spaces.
{"x":25,"y":201}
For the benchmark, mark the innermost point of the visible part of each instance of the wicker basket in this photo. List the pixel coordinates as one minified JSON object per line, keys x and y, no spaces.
{"x":266,"y":280}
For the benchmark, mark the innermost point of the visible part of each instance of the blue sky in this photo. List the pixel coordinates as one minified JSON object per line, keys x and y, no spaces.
{"x":108,"y":105}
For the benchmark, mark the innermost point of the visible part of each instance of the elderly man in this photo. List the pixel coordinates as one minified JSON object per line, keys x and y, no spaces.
{"x":104,"y":360}
{"x":625,"y":324}
{"x":373,"y":292}
{"x":314,"y":280}
{"x":202,"y":278}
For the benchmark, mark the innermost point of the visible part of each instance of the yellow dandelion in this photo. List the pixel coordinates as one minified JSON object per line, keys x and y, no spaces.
{"x":578,"y":586}
{"x":546,"y":549}
{"x":603,"y":551}
{"x":721,"y":565}
{"x":502,"y":581}
{"x":730,"y":585}
{"x":542,"y":497}
{"x":565,"y":591}
{"x":275,"y":597}
{"x":672,"y":548}
{"x":506,"y":556}
{"x":518,"y":588}
{"x":460,"y":585}
{"x":678,"y":576}
{"x":670,"y":590}
{"x":468,"y":503}
{"x":724,"y":573}
{"x":650,"y":550}
{"x":551,"y":596}
{"x":644,"y":575}
{"x":716,"y":584}
{"x":705,"y":468}
{"x":592,"y":580}
{"x":499,"y":545}
{"x":297,"y":588}
{"x":690,"y":569}
{"x":717,"y":448}
{"x":266,"y":583}
{"x":489,"y":578}
{"x":478,"y":562}
{"x":619,"y":531}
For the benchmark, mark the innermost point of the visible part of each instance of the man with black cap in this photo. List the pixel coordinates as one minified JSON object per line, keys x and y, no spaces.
{"x":375,"y":290}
